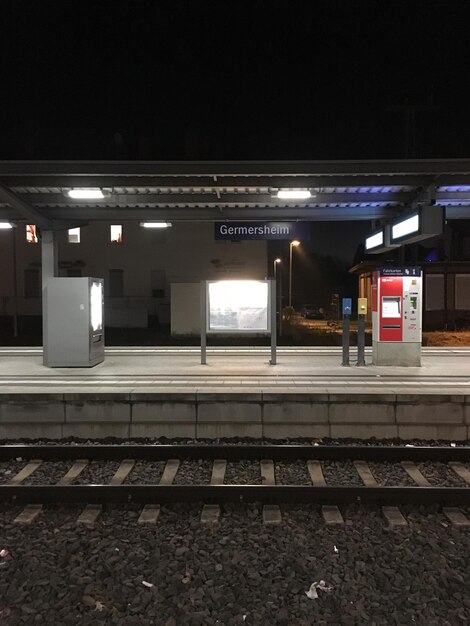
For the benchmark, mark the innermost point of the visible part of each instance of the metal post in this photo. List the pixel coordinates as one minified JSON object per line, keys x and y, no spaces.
{"x":346,"y":320}
{"x":280,"y":304}
{"x":203,"y":318}
{"x":361,"y":330}
{"x":15,"y":287}
{"x":290,"y":273}
{"x":272,"y":295}
{"x":50,"y":268}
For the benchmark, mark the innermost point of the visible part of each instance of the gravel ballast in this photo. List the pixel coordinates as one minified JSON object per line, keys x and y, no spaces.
{"x":239,"y":572}
{"x":243,"y":473}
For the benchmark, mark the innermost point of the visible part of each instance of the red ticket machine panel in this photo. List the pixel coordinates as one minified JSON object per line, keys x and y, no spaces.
{"x":390,"y":305}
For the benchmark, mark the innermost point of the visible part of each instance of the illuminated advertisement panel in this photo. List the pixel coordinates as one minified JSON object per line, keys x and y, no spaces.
{"x":96,"y":307}
{"x":238,"y":306}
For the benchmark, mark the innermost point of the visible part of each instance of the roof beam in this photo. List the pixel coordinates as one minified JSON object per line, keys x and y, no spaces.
{"x":275,"y":181}
{"x":145,"y":199}
{"x":25,"y":209}
{"x":235,"y":168}
{"x":214,"y":213}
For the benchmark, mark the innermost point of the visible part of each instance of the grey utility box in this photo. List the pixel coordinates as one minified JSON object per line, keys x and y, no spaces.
{"x":73,"y":325}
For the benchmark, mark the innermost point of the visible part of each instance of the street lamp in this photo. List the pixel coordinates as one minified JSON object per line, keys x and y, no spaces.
{"x":275,"y":263}
{"x":292,"y":244}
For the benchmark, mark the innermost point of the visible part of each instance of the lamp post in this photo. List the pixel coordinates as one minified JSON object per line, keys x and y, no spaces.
{"x":292,"y":244}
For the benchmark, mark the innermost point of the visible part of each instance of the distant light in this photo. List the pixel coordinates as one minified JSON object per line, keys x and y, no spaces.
{"x":294,"y":194}
{"x":85,"y":194}
{"x":375,"y":240}
{"x":406,"y":227}
{"x":155,"y":224}
{"x":277,"y":260}
{"x":295,"y":243}
{"x":5,"y":225}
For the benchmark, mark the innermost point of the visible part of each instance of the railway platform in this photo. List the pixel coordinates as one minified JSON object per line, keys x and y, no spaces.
{"x":166,"y":392}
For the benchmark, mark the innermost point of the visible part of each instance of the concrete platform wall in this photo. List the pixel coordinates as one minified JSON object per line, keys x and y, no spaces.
{"x":214,"y":415}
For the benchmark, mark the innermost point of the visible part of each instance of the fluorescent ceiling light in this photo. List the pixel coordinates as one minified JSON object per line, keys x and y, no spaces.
{"x":85,"y":194}
{"x":155,"y":224}
{"x":5,"y":225}
{"x":406,"y":227}
{"x":294,"y":194}
{"x":375,"y":240}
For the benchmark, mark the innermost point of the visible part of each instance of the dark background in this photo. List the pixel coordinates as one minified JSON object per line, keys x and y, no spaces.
{"x":233,"y":80}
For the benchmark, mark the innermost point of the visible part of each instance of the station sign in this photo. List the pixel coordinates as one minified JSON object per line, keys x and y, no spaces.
{"x":400,"y":271}
{"x":240,"y":231}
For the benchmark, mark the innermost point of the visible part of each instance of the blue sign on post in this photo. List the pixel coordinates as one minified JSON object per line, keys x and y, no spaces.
{"x":347,"y":306}
{"x":237,"y":231}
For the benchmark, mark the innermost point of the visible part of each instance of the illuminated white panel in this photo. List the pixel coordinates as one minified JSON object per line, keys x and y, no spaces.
{"x":96,"y":309}
{"x":238,"y":305}
{"x":406,"y":227}
{"x":375,"y":240}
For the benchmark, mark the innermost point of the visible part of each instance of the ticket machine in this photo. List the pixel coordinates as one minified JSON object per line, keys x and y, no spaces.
{"x":73,"y":329}
{"x":396,"y":316}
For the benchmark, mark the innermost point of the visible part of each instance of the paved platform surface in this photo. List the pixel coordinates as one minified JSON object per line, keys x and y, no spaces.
{"x":232,"y":370}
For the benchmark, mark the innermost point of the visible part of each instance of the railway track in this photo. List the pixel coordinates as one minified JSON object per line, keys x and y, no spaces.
{"x":372,"y":475}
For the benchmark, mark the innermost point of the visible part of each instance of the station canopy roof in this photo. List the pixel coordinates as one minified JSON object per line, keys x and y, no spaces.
{"x":38,"y":191}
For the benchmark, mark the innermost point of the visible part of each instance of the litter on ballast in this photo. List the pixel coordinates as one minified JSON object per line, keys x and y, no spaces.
{"x":5,"y":553}
{"x":312,"y":592}
{"x":146,"y":584}
{"x":453,"y":445}
{"x":322,"y":586}
{"x":99,"y":606}
{"x":409,"y":445}
{"x":335,"y":551}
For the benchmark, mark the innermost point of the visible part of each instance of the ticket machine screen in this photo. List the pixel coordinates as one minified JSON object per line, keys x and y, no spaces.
{"x":391,"y":306}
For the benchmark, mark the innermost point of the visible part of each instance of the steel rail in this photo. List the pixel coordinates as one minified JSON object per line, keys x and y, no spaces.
{"x":54,"y":494}
{"x":234,"y":452}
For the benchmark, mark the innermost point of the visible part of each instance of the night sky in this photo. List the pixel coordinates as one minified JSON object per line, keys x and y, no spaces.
{"x":233,"y":80}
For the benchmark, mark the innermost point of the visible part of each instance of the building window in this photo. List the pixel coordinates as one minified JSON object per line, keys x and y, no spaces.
{"x":116,"y":233}
{"x":116,"y":283}
{"x":74,"y":235}
{"x":31,"y":233}
{"x":31,"y":284}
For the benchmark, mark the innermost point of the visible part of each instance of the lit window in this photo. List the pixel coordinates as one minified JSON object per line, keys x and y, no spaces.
{"x":74,"y":235}
{"x":31,"y":234}
{"x":116,"y":233}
